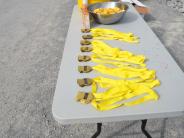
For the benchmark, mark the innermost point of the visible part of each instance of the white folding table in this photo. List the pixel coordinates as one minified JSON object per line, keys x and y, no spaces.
{"x":67,"y":111}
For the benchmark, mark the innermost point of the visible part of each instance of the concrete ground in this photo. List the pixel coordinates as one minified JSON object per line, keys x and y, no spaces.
{"x":32,"y":36}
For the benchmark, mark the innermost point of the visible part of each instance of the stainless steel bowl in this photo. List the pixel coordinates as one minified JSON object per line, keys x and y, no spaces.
{"x":110,"y":18}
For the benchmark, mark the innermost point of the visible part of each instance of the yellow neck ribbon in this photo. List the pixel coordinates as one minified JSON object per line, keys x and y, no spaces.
{"x":103,"y":52}
{"x":121,"y":93}
{"x":109,"y":34}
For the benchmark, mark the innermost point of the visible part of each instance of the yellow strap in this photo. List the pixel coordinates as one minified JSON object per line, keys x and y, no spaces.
{"x":116,"y":63}
{"x":105,"y":52}
{"x":99,"y":47}
{"x":123,"y":93}
{"x":126,"y":72}
{"x":109,"y":34}
{"x":109,"y":83}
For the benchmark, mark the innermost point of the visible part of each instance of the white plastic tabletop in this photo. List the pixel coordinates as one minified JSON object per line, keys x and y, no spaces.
{"x":171,"y":103}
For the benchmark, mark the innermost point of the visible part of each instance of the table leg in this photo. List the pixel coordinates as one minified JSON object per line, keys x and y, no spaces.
{"x":97,"y":133}
{"x":143,"y":126}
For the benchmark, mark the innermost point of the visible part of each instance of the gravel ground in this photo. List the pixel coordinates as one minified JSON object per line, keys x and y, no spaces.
{"x":32,"y":36}
{"x":177,"y":5}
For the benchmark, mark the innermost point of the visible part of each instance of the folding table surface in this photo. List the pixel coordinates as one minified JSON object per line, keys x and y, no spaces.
{"x":171,"y":91}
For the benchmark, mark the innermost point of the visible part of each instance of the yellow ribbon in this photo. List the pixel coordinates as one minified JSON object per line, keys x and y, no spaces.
{"x":109,"y":34}
{"x":102,"y":51}
{"x":126,"y":72}
{"x":121,"y":93}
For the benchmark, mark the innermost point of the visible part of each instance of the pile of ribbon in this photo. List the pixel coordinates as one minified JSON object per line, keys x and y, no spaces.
{"x":128,"y":81}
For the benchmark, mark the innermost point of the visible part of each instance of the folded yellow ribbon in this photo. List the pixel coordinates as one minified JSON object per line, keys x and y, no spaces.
{"x":121,"y":93}
{"x":109,"y":34}
{"x":126,"y":72}
{"x":102,"y":51}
